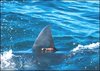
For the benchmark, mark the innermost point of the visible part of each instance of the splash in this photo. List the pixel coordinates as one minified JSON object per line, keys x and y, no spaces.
{"x":83,"y":47}
{"x":7,"y":62}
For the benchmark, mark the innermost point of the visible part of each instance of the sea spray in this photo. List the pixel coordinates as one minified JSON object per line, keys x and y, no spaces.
{"x":83,"y":47}
{"x":7,"y":61}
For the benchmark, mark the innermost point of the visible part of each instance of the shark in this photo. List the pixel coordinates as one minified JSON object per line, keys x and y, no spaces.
{"x":44,"y":48}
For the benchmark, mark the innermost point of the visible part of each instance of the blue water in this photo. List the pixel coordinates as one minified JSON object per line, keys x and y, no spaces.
{"x":73,"y":23}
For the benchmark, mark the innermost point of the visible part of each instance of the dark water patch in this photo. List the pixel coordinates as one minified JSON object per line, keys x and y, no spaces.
{"x":92,"y":15}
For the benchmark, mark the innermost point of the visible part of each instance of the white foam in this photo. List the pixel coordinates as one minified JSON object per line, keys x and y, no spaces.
{"x":6,"y":60}
{"x":90,"y":46}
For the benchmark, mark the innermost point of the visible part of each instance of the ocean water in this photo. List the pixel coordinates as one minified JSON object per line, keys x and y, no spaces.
{"x":75,"y":30}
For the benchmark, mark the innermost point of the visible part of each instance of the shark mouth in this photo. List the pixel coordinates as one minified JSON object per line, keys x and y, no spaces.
{"x":44,"y":41}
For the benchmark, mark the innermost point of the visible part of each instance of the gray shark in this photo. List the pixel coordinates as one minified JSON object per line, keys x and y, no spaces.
{"x":44,"y":50}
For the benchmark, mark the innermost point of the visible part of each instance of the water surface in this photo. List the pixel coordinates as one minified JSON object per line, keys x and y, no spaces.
{"x":74,"y":25}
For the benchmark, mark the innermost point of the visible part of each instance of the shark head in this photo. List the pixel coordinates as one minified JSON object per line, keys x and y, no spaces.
{"x":44,"y":42}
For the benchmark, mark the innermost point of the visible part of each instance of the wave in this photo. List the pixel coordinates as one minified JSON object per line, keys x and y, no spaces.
{"x":88,"y":47}
{"x":6,"y":61}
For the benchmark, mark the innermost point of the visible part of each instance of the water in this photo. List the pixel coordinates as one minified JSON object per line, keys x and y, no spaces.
{"x":75,"y":29}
